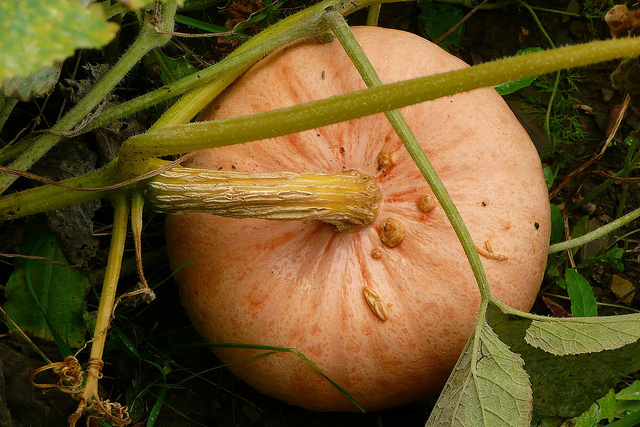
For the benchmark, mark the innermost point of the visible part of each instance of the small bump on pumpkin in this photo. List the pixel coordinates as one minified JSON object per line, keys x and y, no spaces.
{"x":375,"y":303}
{"x":386,"y":159}
{"x":376,"y":253}
{"x":426,"y":203}
{"x":392,"y":232}
{"x":488,"y":252}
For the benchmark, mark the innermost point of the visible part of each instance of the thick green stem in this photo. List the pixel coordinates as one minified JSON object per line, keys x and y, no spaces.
{"x":9,"y":152}
{"x":107,"y":297}
{"x":177,"y":139}
{"x":213,"y":80}
{"x":306,"y":23}
{"x":147,"y":40}
{"x":112,"y":273}
{"x":49,"y":197}
{"x":196,"y":136}
{"x":112,"y":10}
{"x":400,"y":125}
{"x":345,"y":199}
{"x":373,"y":14}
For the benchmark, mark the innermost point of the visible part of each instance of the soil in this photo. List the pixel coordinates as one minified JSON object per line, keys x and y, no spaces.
{"x":164,"y":337}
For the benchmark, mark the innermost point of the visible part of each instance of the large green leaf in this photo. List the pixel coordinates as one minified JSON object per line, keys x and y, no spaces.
{"x":489,"y":387}
{"x":583,"y":335}
{"x":36,"y":33}
{"x":566,"y":386}
{"x":45,"y":298}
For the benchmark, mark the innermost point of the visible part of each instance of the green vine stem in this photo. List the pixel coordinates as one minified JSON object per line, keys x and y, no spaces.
{"x":210,"y":82}
{"x":373,"y":14}
{"x":112,"y":10}
{"x":556,"y":82}
{"x":595,"y":234}
{"x":365,"y":68}
{"x":49,"y":197}
{"x":400,"y":125}
{"x":306,"y":23}
{"x":196,"y":136}
{"x":90,"y":397}
{"x":147,"y":40}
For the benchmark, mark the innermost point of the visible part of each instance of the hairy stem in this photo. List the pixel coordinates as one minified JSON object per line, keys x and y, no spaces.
{"x":213,"y":80}
{"x":373,"y":14}
{"x":107,"y":297}
{"x":196,"y":136}
{"x":49,"y":197}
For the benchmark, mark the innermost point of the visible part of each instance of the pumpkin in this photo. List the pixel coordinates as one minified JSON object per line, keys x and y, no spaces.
{"x":384,"y":317}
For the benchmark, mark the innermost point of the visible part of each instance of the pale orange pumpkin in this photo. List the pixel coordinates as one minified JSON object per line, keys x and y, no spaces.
{"x":304,"y":285}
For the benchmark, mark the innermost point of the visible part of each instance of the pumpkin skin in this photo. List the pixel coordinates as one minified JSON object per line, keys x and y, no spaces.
{"x":300,"y":284}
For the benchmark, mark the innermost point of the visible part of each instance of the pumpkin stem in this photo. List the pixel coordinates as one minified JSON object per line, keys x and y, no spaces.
{"x":346,"y":200}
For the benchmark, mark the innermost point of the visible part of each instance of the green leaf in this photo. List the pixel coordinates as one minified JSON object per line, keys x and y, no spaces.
{"x":557,"y":224}
{"x":580,"y":228}
{"x":564,"y":386}
{"x":174,"y":69}
{"x":437,"y":18}
{"x":155,"y":411}
{"x":549,"y":176}
{"x":612,"y":406}
{"x":36,"y":84}
{"x":202,"y":25}
{"x":45,"y":299}
{"x":489,"y":387}
{"x":583,"y":335}
{"x":36,"y":33}
{"x":583,"y":301}
{"x":516,"y":85}
{"x":608,"y":406}
{"x":604,"y":409}
{"x":631,"y":392}
{"x":590,"y":418}
{"x":612,"y":257}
